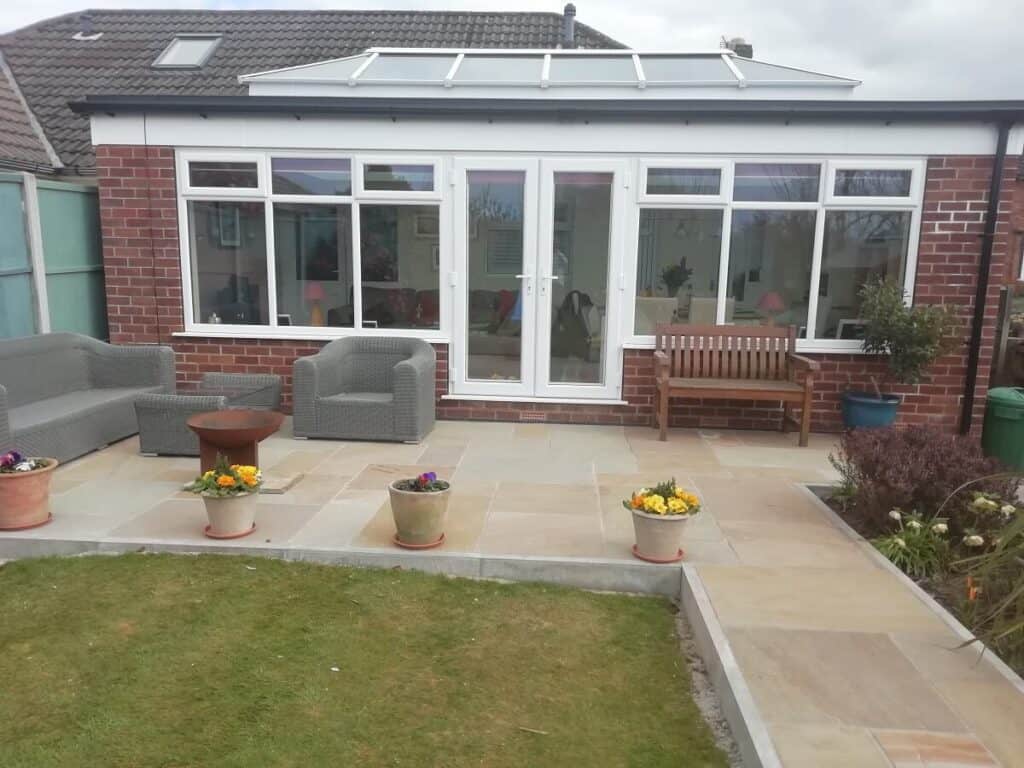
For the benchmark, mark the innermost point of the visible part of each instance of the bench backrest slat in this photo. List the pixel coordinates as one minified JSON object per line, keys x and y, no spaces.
{"x":727,"y":351}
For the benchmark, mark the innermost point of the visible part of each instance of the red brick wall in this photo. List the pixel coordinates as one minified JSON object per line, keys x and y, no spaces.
{"x":142,"y":266}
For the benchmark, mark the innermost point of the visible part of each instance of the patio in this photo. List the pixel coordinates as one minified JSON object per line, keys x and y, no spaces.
{"x":838,"y":660}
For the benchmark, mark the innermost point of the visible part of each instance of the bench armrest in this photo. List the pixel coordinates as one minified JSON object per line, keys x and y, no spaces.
{"x":805,"y":363}
{"x":661,"y":366}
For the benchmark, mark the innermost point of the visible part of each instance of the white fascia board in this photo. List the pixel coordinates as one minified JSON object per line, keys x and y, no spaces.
{"x":381,"y":135}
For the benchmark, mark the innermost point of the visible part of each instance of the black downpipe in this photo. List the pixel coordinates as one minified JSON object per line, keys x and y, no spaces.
{"x":987,"y":243}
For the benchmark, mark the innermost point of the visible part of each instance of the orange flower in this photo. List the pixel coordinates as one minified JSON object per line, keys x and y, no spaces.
{"x":225,"y":481}
{"x":638,"y":501}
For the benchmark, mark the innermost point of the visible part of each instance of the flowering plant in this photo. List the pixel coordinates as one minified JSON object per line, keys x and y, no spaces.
{"x":425,"y":483}
{"x":665,"y":498}
{"x":12,"y":462}
{"x":226,"y":480}
{"x":918,"y":547}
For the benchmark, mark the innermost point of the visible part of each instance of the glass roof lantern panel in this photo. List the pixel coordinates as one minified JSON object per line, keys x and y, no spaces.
{"x":500,"y":69}
{"x":592,"y":69}
{"x":414,"y":67}
{"x":682,"y":69}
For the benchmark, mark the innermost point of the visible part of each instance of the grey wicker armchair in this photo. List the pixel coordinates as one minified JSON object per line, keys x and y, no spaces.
{"x":63,"y":395}
{"x":366,"y":389}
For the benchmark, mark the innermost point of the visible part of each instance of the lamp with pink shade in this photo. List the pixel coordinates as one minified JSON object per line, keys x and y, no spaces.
{"x":771,"y":305}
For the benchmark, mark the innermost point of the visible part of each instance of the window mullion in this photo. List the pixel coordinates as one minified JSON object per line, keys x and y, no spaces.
{"x":815,"y":288}
{"x":271,"y":263}
{"x":357,"y":268}
{"x":723,"y":267}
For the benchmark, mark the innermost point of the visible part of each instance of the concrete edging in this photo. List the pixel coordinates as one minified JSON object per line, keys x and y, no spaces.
{"x":741,"y":711}
{"x":585,"y":573}
{"x":937,"y":608}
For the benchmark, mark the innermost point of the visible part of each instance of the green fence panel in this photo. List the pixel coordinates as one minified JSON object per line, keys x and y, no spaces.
{"x":17,"y":302}
{"x":69,"y":218}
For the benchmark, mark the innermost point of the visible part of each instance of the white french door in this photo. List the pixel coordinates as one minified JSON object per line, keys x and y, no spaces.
{"x":537,"y":278}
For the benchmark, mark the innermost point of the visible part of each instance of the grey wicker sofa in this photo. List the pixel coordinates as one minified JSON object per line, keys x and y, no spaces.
{"x":365,"y":389}
{"x":63,"y":395}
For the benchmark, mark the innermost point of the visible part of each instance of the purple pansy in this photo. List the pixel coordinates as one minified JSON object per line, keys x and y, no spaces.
{"x":427,"y":478}
{"x":11,"y":458}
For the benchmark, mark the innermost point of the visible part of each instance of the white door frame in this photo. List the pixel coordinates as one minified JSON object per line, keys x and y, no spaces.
{"x":460,"y":381}
{"x":611,"y":387}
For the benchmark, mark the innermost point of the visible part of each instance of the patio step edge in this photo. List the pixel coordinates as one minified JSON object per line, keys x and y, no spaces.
{"x":749,"y":729}
{"x":605,"y":574}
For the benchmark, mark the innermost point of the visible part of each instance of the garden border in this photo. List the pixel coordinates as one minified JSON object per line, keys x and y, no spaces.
{"x":748,"y":727}
{"x":937,"y":608}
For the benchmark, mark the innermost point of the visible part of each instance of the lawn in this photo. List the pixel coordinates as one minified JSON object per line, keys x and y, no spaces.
{"x":163,"y":660}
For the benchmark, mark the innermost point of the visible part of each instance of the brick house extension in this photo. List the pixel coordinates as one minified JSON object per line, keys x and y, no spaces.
{"x":533,"y":212}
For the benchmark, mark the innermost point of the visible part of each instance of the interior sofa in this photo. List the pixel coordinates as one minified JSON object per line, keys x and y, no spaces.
{"x":63,"y":395}
{"x":363,"y":388}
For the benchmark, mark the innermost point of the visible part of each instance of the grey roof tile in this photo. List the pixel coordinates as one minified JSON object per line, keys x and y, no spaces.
{"x":21,"y":147}
{"x":52,"y":68}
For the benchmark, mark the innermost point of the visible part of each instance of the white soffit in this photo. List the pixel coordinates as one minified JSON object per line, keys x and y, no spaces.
{"x":509,"y":73}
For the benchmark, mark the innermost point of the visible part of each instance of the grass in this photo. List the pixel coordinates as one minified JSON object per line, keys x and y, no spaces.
{"x":163,"y":660}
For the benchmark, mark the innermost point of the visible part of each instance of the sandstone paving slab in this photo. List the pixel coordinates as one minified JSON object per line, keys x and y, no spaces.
{"x":295,"y":462}
{"x":516,"y":533}
{"x":766,"y":502}
{"x":546,"y":499}
{"x":942,"y":656}
{"x":183,"y":520}
{"x":336,"y":524}
{"x":850,"y":678}
{"x":841,"y":599}
{"x":995,"y":712}
{"x":827,"y":746}
{"x":308,"y":489}
{"x":442,"y":454}
{"x":793,"y":544}
{"x":917,"y":749}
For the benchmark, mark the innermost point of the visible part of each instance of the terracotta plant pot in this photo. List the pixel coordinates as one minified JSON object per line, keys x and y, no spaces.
{"x":25,"y":498}
{"x":659,"y":538}
{"x":231,"y":517}
{"x":419,"y":517}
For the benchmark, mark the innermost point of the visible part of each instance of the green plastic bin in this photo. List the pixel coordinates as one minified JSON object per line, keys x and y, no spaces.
{"x":1003,"y":433}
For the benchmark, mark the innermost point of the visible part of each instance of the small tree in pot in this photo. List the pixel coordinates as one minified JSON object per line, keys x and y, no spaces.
{"x":912,"y":338}
{"x":420,"y":508}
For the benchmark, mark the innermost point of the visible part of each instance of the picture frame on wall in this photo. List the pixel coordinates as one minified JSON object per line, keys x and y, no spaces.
{"x":426,"y":226}
{"x":229,"y":226}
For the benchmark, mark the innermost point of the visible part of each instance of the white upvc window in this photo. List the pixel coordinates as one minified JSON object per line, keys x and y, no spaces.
{"x":289,"y":244}
{"x":405,"y":178}
{"x":683,"y":181}
{"x":791,"y":241}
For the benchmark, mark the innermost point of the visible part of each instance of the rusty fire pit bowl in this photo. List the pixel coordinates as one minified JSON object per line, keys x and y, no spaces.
{"x":233,"y":433}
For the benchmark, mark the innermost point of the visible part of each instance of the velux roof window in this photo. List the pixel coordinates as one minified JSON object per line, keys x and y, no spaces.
{"x":187,"y":51}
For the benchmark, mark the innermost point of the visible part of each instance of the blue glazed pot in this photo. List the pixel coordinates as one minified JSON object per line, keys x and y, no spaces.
{"x":865,"y":410}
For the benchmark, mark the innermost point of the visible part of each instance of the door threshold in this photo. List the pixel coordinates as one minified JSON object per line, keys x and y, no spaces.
{"x":527,"y":399}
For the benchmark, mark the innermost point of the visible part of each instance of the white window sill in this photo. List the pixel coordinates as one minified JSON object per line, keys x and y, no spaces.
{"x":305,"y":334}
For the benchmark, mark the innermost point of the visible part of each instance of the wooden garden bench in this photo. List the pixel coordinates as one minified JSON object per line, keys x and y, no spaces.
{"x":732,"y":362}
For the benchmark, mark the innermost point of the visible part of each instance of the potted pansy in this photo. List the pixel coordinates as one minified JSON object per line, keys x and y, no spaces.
{"x":420,"y":508}
{"x":24,"y":491}
{"x":659,"y":516}
{"x":229,"y":492}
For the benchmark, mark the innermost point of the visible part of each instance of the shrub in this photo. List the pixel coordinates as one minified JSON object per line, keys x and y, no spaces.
{"x":911,"y":336}
{"x":913,"y":468}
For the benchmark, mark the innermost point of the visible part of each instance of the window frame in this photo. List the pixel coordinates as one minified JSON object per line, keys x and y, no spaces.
{"x":886,"y":201}
{"x":214,"y":37}
{"x":271,"y":329}
{"x":359,"y":188}
{"x":724,"y":168}
{"x":825,"y":202}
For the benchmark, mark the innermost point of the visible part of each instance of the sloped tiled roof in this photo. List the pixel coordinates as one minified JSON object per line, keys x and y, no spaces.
{"x":52,"y":68}
{"x":21,"y":147}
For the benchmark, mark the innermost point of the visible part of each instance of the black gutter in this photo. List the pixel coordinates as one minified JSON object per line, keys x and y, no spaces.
{"x":559,"y":108}
{"x":984,"y":267}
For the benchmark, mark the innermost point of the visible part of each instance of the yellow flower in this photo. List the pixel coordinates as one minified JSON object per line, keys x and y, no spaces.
{"x":677,"y":506}
{"x":208,"y":474}
{"x":225,"y":481}
{"x":655,"y":504}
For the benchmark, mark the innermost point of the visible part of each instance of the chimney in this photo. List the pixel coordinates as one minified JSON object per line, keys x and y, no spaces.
{"x":740,"y":47}
{"x":85,"y":24}
{"x":569,"y":26}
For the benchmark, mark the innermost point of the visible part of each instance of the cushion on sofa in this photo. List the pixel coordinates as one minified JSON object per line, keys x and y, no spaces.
{"x":54,"y":409}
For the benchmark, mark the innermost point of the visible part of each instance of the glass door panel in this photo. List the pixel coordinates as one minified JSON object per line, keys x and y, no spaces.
{"x":581,"y":220}
{"x":579,"y":276}
{"x":494,"y":277}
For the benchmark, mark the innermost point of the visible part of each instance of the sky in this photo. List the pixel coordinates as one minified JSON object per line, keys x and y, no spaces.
{"x":899,"y":48}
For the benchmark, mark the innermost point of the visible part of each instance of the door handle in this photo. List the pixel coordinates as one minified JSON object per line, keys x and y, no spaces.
{"x":529,"y":282}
